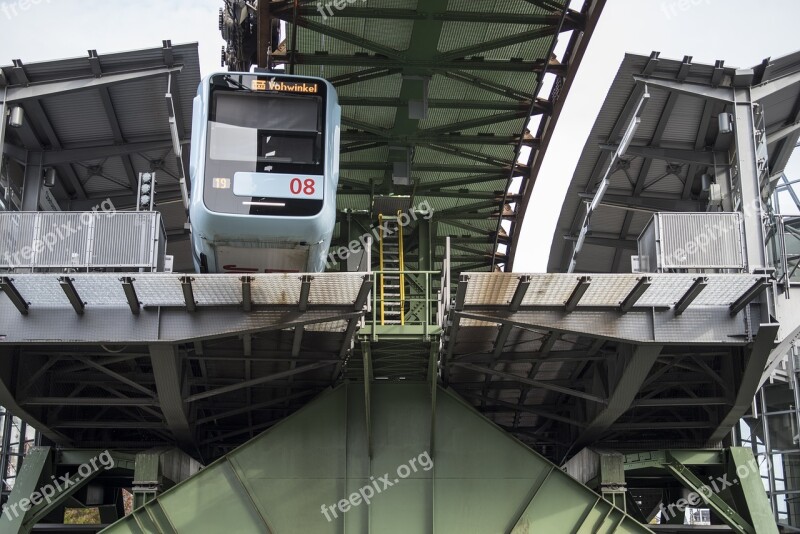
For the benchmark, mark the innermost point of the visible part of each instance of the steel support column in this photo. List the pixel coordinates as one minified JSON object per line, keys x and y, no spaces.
{"x":749,"y":494}
{"x":33,"y":183}
{"x":749,"y":179}
{"x":168,"y":374}
{"x":723,"y":510}
{"x":3,"y":121}
{"x":635,"y":365}
{"x":16,"y":518}
{"x":366,"y":355}
{"x":749,"y":383}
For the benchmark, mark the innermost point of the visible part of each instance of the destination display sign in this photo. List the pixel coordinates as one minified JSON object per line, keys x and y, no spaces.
{"x":285,"y":87}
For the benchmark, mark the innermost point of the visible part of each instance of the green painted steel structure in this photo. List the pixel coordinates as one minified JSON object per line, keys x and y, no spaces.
{"x":52,"y":480}
{"x":727,"y":482}
{"x":475,"y":479}
{"x":437,"y":97}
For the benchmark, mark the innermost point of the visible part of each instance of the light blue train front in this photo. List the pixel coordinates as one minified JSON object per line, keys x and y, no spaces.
{"x":264,"y":170}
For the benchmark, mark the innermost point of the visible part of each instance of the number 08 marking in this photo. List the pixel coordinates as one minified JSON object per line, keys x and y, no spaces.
{"x":307,"y":187}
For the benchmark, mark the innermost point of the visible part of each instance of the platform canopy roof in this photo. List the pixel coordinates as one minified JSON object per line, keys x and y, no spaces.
{"x":101,"y":119}
{"x":677,"y":141}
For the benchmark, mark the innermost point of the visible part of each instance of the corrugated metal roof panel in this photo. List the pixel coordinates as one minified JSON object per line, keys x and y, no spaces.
{"x":78,"y":117}
{"x":80,"y":121}
{"x":130,"y":102}
{"x":684,"y":118}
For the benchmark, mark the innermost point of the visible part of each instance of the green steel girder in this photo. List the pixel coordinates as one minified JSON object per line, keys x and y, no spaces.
{"x":157,"y":470}
{"x":439,"y":103}
{"x":35,"y":467}
{"x":649,"y":459}
{"x":449,"y":129}
{"x":479,"y":479}
{"x":347,"y":37}
{"x":433,"y":380}
{"x":740,"y":482}
{"x":429,"y":48}
{"x":423,"y":65}
{"x":366,"y":355}
{"x":466,"y":154}
{"x":38,"y":493}
{"x":712,"y":499}
{"x":73,"y":485}
{"x":414,"y":139}
{"x":421,"y":14}
{"x":500,"y":42}
{"x":430,"y":167}
{"x":420,"y":56}
{"x":361,"y":76}
{"x":486,"y":84}
{"x":750,"y":496}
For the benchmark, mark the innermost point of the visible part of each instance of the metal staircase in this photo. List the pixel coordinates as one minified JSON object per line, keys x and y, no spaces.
{"x":392,"y":267}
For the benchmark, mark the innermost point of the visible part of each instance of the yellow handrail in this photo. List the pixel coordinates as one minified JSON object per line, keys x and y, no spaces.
{"x":402,"y":271}
{"x":380,"y":253}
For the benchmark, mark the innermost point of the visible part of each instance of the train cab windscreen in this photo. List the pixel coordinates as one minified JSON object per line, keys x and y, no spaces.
{"x":266,"y":152}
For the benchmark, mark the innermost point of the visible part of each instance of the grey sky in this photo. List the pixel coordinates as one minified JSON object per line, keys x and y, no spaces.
{"x":58,"y":29}
{"x":742,"y":32}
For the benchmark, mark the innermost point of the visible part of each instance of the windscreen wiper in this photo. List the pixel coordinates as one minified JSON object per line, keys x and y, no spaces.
{"x":237,"y":84}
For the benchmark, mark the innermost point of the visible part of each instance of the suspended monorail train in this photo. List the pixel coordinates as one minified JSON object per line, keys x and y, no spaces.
{"x":264,"y":169}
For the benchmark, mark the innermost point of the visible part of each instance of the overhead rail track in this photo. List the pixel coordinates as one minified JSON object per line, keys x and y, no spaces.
{"x":437,"y":98}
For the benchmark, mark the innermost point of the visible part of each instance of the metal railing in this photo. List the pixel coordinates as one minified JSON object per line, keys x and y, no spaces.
{"x":422,"y":309}
{"x":81,"y":241}
{"x":692,"y":241}
{"x":783,"y":245}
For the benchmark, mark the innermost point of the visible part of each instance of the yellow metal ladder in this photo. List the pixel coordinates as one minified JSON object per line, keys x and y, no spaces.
{"x":392,"y":267}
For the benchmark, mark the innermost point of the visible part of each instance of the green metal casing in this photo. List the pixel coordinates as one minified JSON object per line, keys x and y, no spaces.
{"x":481,"y":481}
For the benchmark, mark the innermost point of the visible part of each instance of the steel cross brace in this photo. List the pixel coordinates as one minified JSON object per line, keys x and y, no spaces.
{"x":711,"y":498}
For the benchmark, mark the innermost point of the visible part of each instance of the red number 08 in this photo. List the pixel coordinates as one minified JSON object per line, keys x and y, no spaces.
{"x":296,"y":186}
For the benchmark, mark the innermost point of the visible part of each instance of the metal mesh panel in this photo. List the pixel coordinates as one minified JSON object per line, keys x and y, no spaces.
{"x":161,"y":289}
{"x":605,"y":290}
{"x":80,"y":240}
{"x":16,"y":231}
{"x":694,"y":241}
{"x":69,"y":234}
{"x":125,"y":239}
